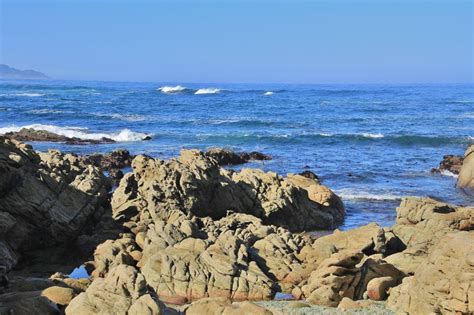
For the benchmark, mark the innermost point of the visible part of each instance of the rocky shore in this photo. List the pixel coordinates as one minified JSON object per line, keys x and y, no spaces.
{"x":186,"y":235}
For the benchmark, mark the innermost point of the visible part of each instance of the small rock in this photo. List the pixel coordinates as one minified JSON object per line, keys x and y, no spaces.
{"x":377,"y":288}
{"x":59,"y":295}
{"x":347,"y":304}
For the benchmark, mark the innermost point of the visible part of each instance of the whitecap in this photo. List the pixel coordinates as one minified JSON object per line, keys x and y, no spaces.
{"x":172,"y":89}
{"x":348,"y":194}
{"x":448,"y":173}
{"x":47,"y":111}
{"x":373,"y":135}
{"x":123,"y":117}
{"x":29,"y":94}
{"x":123,"y":135}
{"x":268,"y":93}
{"x":207,"y":91}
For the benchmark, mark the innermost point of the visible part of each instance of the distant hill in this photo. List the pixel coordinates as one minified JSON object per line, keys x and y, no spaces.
{"x":7,"y":72}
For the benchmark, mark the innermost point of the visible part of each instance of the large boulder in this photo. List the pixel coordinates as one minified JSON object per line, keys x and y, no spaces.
{"x":45,"y":199}
{"x":193,"y":269}
{"x":466,"y":174}
{"x":122,"y":291}
{"x":420,"y":223}
{"x":195,"y":184}
{"x":443,"y":282}
{"x":369,"y":239}
{"x":346,"y":274}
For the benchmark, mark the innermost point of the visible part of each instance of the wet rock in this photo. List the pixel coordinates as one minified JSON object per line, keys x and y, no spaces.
{"x":111,"y":161}
{"x":442,"y":283}
{"x":450,"y":163}
{"x":29,"y":134}
{"x":229,"y":157}
{"x":310,"y":175}
{"x":466,"y":173}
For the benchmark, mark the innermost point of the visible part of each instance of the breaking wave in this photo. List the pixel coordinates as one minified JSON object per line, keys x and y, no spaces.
{"x":124,"y":135}
{"x":172,"y":89}
{"x":207,"y":91}
{"x":348,"y":194}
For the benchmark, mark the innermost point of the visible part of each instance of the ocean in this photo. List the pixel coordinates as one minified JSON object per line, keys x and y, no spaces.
{"x":371,"y":144}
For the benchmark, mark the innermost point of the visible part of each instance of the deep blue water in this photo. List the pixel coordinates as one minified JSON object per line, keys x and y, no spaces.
{"x":372,"y":144}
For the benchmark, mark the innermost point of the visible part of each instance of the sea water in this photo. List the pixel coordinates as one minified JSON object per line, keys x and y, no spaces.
{"x":371,"y":144}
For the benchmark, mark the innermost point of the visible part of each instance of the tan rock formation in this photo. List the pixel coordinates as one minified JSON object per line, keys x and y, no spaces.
{"x":420,"y":223}
{"x":122,"y":291}
{"x":466,"y":174}
{"x":45,"y":199}
{"x":195,"y":184}
{"x":443,"y":283}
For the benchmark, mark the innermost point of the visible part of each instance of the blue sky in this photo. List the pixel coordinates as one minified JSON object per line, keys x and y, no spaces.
{"x":242,"y":41}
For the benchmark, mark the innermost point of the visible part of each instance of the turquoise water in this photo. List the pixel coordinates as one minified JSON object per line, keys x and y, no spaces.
{"x":372,"y":144}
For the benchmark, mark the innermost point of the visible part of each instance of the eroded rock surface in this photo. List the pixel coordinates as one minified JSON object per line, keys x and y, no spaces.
{"x":443,"y":283}
{"x":45,"y":199}
{"x":420,"y":223}
{"x":466,"y":173}
{"x":122,"y":291}
{"x":196,"y":185}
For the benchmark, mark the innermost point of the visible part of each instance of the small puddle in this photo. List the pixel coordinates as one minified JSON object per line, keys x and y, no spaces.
{"x":79,"y":273}
{"x":280,"y":296}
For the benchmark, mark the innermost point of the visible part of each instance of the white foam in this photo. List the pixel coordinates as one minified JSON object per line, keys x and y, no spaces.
{"x":373,"y":135}
{"x":124,"y":117}
{"x":268,"y":93}
{"x":348,"y":194}
{"x":29,"y":94}
{"x":207,"y":91}
{"x":448,"y":173}
{"x":124,"y":135}
{"x":47,"y":111}
{"x":172,"y":89}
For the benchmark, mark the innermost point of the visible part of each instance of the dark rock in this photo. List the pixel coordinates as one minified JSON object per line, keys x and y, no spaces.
{"x":28,"y":134}
{"x":310,"y":175}
{"x":112,"y":162}
{"x":146,"y":138}
{"x":46,"y":199}
{"x":229,"y":157}
{"x":451,"y":163}
{"x":115,"y":160}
